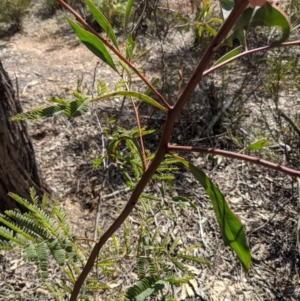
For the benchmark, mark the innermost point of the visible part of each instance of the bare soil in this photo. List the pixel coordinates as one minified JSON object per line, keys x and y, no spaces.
{"x":46,"y":60}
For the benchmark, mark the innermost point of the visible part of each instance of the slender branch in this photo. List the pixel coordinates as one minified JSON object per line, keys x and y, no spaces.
{"x":172,"y":115}
{"x":247,"y":52}
{"x":137,"y":117}
{"x":114,"y":50}
{"x":290,"y":121}
{"x":142,"y":150}
{"x":224,"y":153}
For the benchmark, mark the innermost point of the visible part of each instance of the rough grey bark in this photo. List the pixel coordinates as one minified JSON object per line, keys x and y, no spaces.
{"x":18,"y":169}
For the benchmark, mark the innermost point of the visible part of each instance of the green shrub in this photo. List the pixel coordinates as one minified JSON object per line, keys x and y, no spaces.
{"x":43,"y":235}
{"x":13,"y":12}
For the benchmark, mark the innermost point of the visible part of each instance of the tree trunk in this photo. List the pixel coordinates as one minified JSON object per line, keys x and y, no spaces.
{"x":18,"y":169}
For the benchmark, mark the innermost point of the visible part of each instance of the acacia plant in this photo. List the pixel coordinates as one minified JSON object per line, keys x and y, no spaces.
{"x":239,"y":15}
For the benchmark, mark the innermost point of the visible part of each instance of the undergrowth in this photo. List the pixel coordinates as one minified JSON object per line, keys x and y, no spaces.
{"x":45,"y":237}
{"x":159,"y":255}
{"x":13,"y":11}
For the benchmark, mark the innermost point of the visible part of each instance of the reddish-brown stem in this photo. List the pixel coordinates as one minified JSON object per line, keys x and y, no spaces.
{"x":233,"y":155}
{"x":114,"y":50}
{"x":172,"y":115}
{"x":143,"y":153}
{"x":247,"y":52}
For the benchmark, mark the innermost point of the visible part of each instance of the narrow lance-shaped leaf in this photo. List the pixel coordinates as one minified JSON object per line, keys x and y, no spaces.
{"x":140,"y":96}
{"x":212,"y":31}
{"x":125,"y":67}
{"x":266,"y":15}
{"x":154,"y":83}
{"x":226,"y":7}
{"x":257,"y":145}
{"x":93,"y":44}
{"x":103,"y":22}
{"x":97,"y":162}
{"x":229,"y":55}
{"x":231,"y":228}
{"x":127,"y":13}
{"x":130,"y":44}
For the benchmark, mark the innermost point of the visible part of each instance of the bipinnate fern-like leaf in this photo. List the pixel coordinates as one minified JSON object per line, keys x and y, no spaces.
{"x":174,"y":244}
{"x":6,"y":245}
{"x":126,"y":235}
{"x":38,"y":234}
{"x":55,"y":292}
{"x":66,"y":287}
{"x":178,"y":281}
{"x":57,"y":251}
{"x":29,"y":253}
{"x":71,"y":254}
{"x":95,"y":287}
{"x":42,"y":218}
{"x":77,"y":108}
{"x":119,"y":85}
{"x":41,"y":236}
{"x":27,"y":224}
{"x":165,"y":270}
{"x":101,"y":87}
{"x":179,"y":265}
{"x":141,"y":265}
{"x":39,"y":113}
{"x":69,"y":108}
{"x":150,"y":197}
{"x":42,"y":255}
{"x":144,"y":288}
{"x":47,"y":222}
{"x":9,"y":235}
{"x":57,"y":100}
{"x":33,"y":196}
{"x":63,"y":219}
{"x":166,"y":240}
{"x":106,"y":264}
{"x":69,"y":275}
{"x":193,"y":259}
{"x":152,"y":267}
{"x":13,"y":226}
{"x":165,"y":177}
